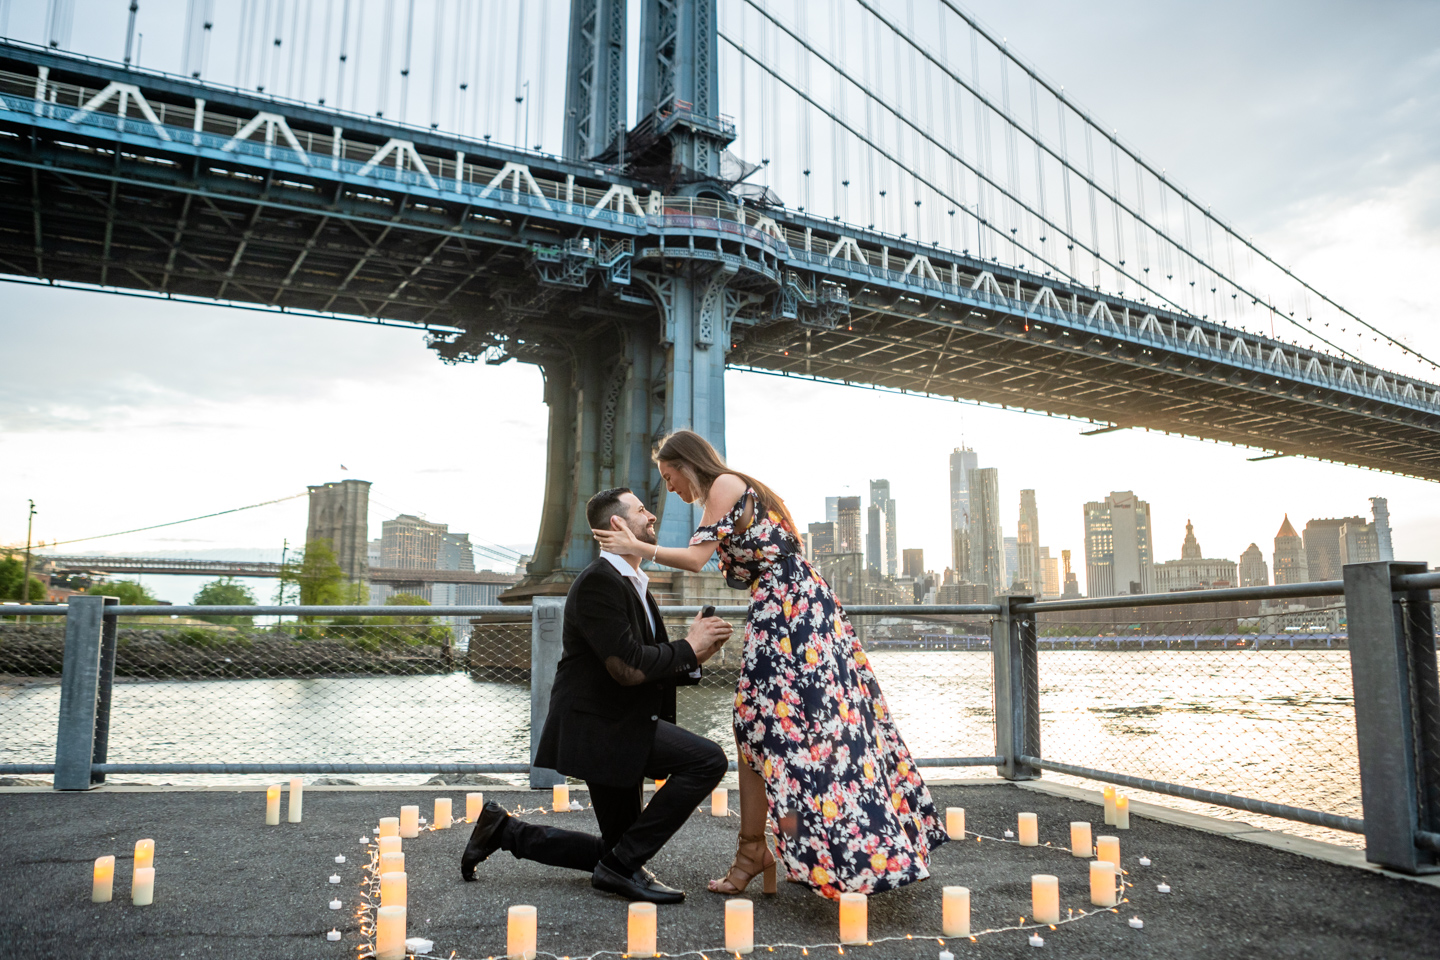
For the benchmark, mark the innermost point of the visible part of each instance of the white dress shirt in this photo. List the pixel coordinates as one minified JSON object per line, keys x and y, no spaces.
{"x":639,"y":579}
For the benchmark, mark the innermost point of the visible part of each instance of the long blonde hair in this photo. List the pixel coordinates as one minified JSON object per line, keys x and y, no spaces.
{"x":692,"y":453}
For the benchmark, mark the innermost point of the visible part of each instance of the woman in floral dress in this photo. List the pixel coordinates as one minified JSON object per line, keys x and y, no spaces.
{"x":819,"y":749}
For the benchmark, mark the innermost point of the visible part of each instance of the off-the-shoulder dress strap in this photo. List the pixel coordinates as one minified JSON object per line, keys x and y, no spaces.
{"x":741,"y":508}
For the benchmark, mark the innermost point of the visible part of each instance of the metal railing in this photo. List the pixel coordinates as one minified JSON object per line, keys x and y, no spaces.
{"x":1353,"y":726}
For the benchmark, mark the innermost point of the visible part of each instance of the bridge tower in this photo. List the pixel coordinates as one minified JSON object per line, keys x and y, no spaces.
{"x":652,"y":358}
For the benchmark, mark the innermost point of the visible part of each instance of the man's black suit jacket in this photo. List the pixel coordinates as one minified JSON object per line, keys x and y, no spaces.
{"x":616,"y":680}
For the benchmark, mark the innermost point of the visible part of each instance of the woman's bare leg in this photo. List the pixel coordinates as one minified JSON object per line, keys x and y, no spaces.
{"x":753,"y":855}
{"x":753,"y":805}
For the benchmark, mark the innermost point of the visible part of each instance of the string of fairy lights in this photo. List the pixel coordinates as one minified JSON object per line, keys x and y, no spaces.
{"x":370,"y":901}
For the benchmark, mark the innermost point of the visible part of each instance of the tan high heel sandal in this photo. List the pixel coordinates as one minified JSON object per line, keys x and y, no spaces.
{"x":748,"y":864}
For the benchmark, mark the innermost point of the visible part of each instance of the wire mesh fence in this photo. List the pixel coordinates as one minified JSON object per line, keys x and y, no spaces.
{"x":32,"y":653}
{"x":935,"y":674}
{"x":1221,"y":703}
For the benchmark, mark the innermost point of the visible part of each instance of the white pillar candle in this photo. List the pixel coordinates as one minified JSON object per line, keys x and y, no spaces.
{"x":1080,"y":843}
{"x":391,"y":863}
{"x":388,"y":845}
{"x":1029,"y":830}
{"x":389,"y":827}
{"x":1102,"y":883}
{"x":955,"y":822}
{"x":520,"y":933}
{"x":1108,"y":848}
{"x":473,"y":803}
{"x":142,"y":888}
{"x":393,"y":888}
{"x":442,"y":813}
{"x":1122,"y":812}
{"x":1109,"y":794}
{"x":144,"y":853}
{"x":641,"y":932}
{"x":1045,"y":898}
{"x":739,"y":926}
{"x":560,"y":797}
{"x":390,"y":933}
{"x":297,"y":798}
{"x":102,"y":889}
{"x":853,"y":919}
{"x":409,"y":822}
{"x":955,"y":912}
{"x":272,"y":805}
{"x":720,"y":802}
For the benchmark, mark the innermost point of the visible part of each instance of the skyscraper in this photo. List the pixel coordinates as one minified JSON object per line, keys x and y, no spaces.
{"x":1012,"y":561}
{"x":1358,"y":543}
{"x":1072,"y":586}
{"x":1380,"y":509}
{"x":881,"y":555}
{"x":987,"y":547}
{"x":1027,"y":540}
{"x":914,"y":563}
{"x":822,"y":538}
{"x":1193,"y":571}
{"x":832,"y":509}
{"x":1049,"y":575}
{"x":1290,"y":565}
{"x":1118,"y":551}
{"x":962,"y":462}
{"x":1253,"y":570}
{"x":847,"y":524}
{"x":1322,"y":546}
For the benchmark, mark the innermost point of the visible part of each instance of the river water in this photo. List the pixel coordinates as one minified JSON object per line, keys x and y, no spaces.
{"x":1273,"y":725}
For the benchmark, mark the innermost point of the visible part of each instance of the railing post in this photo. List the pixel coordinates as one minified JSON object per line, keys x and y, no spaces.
{"x":1389,"y":665}
{"x":1017,"y":689}
{"x":102,"y":699}
{"x":547,"y":625}
{"x":79,"y":693}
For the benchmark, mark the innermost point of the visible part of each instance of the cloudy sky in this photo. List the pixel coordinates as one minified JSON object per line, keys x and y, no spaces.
{"x":1313,"y":126}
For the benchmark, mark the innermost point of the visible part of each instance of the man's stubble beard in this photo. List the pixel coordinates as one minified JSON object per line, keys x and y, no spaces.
{"x":643,"y":533}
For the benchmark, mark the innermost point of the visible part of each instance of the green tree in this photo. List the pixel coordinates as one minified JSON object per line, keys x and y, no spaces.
{"x":225,"y":592}
{"x":129,"y":592}
{"x":417,"y":629}
{"x":12,"y":576}
{"x":318,"y":576}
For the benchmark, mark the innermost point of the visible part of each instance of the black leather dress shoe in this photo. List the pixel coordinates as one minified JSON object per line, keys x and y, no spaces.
{"x":484,"y":839}
{"x":640,"y":885}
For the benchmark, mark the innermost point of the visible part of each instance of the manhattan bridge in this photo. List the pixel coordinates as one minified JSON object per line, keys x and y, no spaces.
{"x":866,"y":192}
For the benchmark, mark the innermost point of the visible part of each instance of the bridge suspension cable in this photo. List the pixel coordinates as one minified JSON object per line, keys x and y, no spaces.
{"x":175,"y":523}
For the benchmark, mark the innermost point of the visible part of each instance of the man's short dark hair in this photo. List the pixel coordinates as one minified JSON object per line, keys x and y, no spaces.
{"x":603,"y":506}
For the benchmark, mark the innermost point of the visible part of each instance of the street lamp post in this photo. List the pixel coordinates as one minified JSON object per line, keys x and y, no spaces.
{"x":25,"y":583}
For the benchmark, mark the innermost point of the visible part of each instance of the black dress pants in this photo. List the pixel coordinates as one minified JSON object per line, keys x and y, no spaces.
{"x":692,"y":766}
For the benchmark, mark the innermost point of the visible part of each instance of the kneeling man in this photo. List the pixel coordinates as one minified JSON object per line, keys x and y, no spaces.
{"x":612,"y":724}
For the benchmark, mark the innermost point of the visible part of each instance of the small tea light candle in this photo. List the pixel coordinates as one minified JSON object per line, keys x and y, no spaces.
{"x":946,"y":955}
{"x":442,"y":813}
{"x":1109,"y":795}
{"x":272,"y":806}
{"x":390,"y":933}
{"x":739,"y":926}
{"x":520,"y":933}
{"x":1122,"y":812}
{"x":102,"y":888}
{"x":393,"y":889}
{"x":1080,"y":843}
{"x":334,"y":904}
{"x":1036,"y":940}
{"x":340,"y":859}
{"x":1102,"y":883}
{"x":334,"y":878}
{"x":1163,"y":887}
{"x":142,"y":888}
{"x":1045,"y":898}
{"x":955,"y":822}
{"x":1137,"y":924}
{"x":473,"y":803}
{"x":853,"y":918}
{"x":641,"y":941}
{"x":1029,"y":830}
{"x":391,"y":863}
{"x":144,"y":853}
{"x":560,"y":797}
{"x":297,"y":798}
{"x":575,"y":806}
{"x":1010,"y":834}
{"x":1144,"y":861}
{"x":955,"y":912}
{"x":389,"y":827}
{"x":333,"y":935}
{"x":1108,"y":848}
{"x":409,"y":822}
{"x":720,"y":802}
{"x":659,"y":783}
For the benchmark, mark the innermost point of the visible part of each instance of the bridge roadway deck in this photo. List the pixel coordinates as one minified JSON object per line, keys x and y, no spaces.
{"x":229,"y":887}
{"x":507,"y":254}
{"x":248,"y":568}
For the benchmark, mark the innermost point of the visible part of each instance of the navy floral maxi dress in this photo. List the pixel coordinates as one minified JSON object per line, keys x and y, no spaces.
{"x":850,"y":810}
